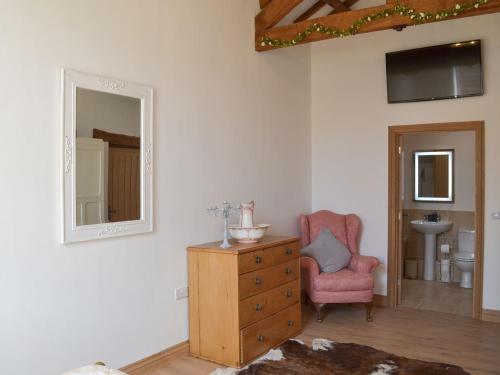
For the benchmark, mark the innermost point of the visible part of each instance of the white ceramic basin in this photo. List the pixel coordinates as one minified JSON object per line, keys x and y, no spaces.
{"x":248,"y":235}
{"x":430,"y":227}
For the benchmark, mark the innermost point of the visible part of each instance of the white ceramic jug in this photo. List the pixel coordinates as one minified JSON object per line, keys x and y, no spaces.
{"x":246,"y":214}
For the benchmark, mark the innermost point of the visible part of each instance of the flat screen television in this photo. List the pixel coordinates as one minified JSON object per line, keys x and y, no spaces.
{"x":439,"y":72}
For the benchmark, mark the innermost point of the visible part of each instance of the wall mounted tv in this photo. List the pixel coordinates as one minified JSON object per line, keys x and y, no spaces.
{"x":440,"y":72}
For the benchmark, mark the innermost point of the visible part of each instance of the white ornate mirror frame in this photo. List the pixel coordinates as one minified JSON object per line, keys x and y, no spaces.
{"x":71,"y":232}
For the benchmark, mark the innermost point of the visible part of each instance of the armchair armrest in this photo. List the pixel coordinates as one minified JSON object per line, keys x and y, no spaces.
{"x":309,"y":265}
{"x":363,"y":264}
{"x":309,"y":269}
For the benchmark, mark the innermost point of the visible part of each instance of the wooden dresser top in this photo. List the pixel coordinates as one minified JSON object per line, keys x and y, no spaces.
{"x":239,"y":248}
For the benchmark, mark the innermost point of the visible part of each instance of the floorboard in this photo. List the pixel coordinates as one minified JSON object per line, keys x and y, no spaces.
{"x":425,"y":335}
{"x":437,"y":296}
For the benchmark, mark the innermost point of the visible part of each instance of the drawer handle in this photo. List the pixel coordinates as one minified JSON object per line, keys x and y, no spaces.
{"x":258,"y":307}
{"x":258,"y":281}
{"x":288,"y":271}
{"x":258,"y":259}
{"x":288,"y":293}
{"x":289,"y":251}
{"x":290,"y":323}
{"x":260,"y":338}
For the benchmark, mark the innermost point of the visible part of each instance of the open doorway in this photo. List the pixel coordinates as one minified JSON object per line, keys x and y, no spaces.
{"x":426,"y":222}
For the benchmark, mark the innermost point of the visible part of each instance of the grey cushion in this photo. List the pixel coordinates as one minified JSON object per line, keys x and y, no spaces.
{"x":330,"y":253}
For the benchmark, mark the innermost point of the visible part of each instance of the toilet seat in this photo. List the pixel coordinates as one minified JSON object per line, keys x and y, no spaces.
{"x":464,"y":257}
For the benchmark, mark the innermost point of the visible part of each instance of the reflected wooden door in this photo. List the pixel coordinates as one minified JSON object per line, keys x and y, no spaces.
{"x":124,"y":186}
{"x":441,"y":173}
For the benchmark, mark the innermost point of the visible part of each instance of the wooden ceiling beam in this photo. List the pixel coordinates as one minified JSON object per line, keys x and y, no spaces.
{"x":320,"y":5}
{"x":338,"y":5}
{"x":345,"y":20}
{"x":311,"y":11}
{"x":263,"y":3}
{"x":347,"y":3}
{"x":273,"y":13}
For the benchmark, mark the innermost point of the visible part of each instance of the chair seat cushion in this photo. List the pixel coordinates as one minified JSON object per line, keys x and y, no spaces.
{"x":343,"y":281}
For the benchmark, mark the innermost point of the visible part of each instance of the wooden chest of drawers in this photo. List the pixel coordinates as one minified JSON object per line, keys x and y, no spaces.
{"x":243,"y":300}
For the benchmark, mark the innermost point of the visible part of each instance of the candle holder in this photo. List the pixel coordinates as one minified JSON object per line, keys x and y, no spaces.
{"x":225,"y":211}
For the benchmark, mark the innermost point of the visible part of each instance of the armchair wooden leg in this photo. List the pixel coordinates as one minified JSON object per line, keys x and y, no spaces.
{"x":305,"y":300}
{"x":319,"y":315}
{"x":369,"y":311}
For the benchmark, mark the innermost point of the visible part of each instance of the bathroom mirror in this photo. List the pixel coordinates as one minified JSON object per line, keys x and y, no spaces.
{"x":107,"y":157}
{"x":433,"y":173}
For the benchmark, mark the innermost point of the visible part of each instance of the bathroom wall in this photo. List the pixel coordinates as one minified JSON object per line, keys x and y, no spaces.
{"x":461,"y":211}
{"x":413,"y":242}
{"x":465,"y":169}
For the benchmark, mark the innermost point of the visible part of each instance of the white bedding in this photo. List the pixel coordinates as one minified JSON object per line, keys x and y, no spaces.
{"x":94,"y":370}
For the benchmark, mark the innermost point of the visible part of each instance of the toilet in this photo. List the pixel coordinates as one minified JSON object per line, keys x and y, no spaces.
{"x":464,"y":258}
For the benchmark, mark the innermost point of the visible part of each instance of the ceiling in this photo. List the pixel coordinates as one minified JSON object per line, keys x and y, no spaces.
{"x":286,"y":23}
{"x":324,"y":10}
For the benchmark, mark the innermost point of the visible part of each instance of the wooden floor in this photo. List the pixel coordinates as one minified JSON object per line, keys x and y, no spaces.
{"x":419,"y":334}
{"x":437,"y":296}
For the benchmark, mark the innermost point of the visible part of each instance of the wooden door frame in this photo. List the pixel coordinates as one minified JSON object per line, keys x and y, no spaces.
{"x":117,"y":140}
{"x":394,"y":251}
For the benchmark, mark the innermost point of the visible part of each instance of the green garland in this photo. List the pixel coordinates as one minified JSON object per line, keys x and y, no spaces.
{"x":398,"y":10}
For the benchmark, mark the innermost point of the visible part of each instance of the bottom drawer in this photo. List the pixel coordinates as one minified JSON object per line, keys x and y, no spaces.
{"x":262,"y":336}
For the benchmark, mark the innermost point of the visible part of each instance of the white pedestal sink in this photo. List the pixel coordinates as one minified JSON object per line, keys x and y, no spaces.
{"x":430,"y":229}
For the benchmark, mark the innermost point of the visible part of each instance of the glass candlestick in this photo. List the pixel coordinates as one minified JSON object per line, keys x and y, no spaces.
{"x":225,"y":210}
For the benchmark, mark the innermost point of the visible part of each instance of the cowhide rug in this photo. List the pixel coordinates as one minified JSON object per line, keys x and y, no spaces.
{"x":328,"y":357}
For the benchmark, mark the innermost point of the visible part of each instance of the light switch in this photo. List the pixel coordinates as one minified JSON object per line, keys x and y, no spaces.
{"x":181,"y":293}
{"x":495,"y":215}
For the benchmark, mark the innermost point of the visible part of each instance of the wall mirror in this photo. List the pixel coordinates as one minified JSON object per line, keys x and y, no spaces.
{"x":433,"y":171}
{"x":107,"y":157}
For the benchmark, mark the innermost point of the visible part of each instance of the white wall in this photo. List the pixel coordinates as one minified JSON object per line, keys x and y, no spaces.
{"x":229,"y":124}
{"x":350,"y":116}
{"x":463,"y":143}
{"x":109,"y":112}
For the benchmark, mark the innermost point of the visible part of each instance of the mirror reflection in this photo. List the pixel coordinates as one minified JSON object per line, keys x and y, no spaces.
{"x":108,"y":153}
{"x":433,"y":172}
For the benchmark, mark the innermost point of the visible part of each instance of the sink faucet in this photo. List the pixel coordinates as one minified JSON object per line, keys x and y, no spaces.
{"x":434,"y":217}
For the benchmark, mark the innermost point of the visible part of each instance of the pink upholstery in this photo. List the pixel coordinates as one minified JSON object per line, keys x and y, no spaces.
{"x":346,"y":228}
{"x":364,"y":264}
{"x":343,"y":281}
{"x":350,"y":285}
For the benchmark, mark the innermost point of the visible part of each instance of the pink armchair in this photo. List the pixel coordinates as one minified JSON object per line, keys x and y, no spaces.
{"x":349,"y":285}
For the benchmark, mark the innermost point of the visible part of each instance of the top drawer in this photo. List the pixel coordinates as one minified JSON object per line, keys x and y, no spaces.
{"x":271,"y":256}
